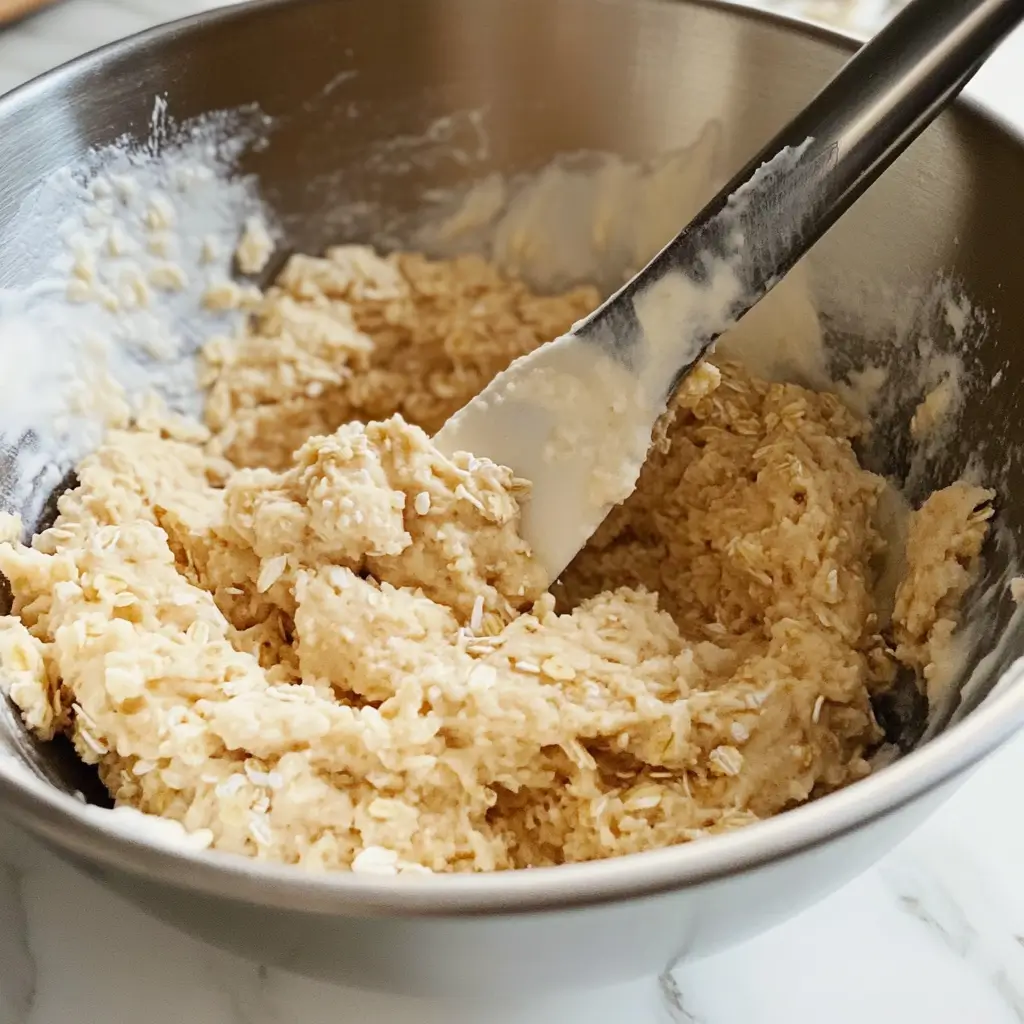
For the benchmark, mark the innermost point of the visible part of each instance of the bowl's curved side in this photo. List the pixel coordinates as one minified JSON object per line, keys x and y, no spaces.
{"x":513,"y":950}
{"x":352,"y":136}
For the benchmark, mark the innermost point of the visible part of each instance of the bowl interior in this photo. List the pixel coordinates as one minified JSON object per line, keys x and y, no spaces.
{"x":375,"y":128}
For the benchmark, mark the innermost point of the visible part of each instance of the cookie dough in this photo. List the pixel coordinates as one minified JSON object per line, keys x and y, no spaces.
{"x":305,"y":635}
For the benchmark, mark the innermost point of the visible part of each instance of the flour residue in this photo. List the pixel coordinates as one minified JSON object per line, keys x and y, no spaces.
{"x":600,"y":219}
{"x":124,"y":247}
{"x":585,"y":216}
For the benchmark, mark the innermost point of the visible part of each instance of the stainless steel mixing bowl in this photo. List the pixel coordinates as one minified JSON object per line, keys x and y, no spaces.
{"x":550,"y":76}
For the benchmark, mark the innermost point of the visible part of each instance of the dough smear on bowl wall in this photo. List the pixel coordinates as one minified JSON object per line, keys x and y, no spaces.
{"x":310,"y":660}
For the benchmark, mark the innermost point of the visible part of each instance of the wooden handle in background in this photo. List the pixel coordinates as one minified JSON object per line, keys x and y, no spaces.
{"x":13,"y":9}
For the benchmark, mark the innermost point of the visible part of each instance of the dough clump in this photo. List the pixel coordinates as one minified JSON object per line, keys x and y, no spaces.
{"x":305,"y":635}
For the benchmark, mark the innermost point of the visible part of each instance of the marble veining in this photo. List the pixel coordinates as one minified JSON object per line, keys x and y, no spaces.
{"x":934,"y":934}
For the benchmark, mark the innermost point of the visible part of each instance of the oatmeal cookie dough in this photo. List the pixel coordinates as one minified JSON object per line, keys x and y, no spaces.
{"x":943,"y":549}
{"x":307,"y":636}
{"x":354,"y":337}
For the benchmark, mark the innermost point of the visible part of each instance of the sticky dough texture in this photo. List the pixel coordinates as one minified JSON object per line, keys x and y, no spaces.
{"x":344,"y":657}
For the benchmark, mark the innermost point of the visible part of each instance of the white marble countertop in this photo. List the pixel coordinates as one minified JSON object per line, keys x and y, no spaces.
{"x":935,"y":934}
